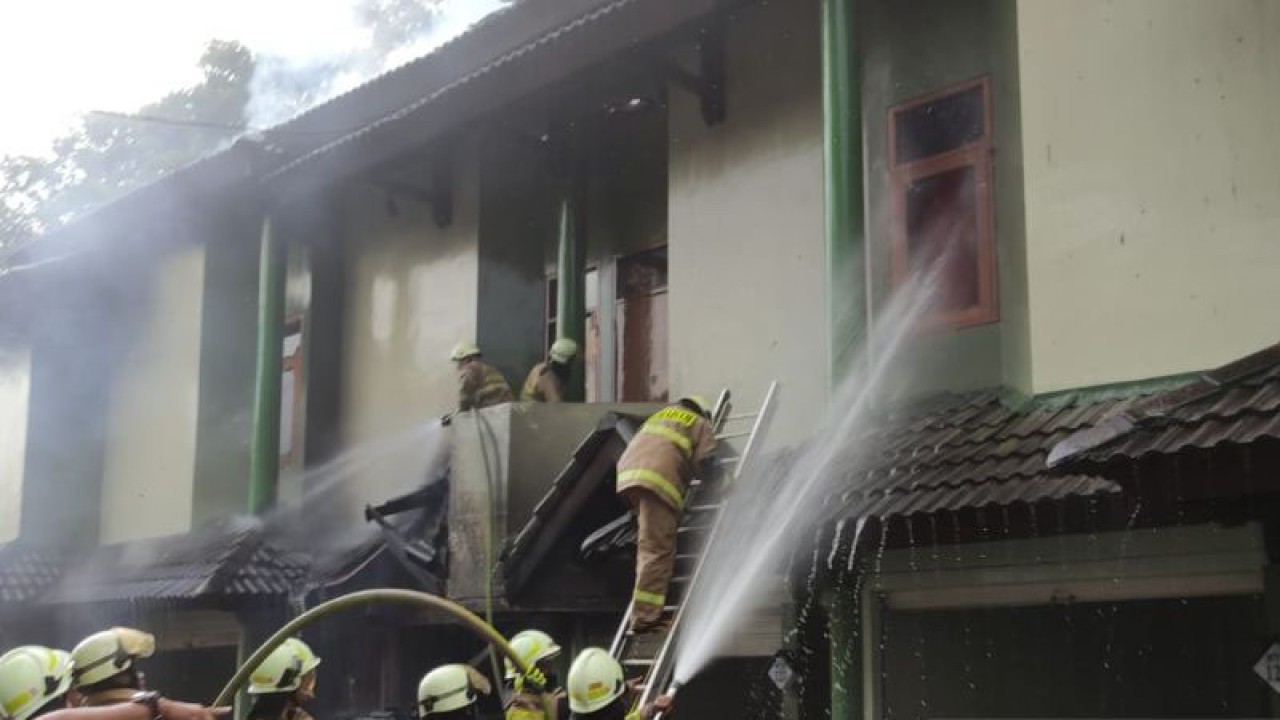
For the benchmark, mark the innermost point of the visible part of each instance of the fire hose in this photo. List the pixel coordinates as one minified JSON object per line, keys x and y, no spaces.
{"x":368,"y":597}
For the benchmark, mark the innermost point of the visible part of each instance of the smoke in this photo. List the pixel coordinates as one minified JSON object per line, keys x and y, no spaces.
{"x":384,"y":35}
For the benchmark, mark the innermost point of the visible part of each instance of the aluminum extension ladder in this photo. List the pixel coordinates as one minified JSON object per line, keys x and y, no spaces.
{"x":654,"y":653}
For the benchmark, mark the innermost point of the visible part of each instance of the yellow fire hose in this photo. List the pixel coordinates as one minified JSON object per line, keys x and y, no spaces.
{"x":368,"y":597}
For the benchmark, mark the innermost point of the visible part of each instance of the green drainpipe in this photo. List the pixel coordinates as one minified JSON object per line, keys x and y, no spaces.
{"x":842,"y":154}
{"x":266,"y":386}
{"x":571,"y":317}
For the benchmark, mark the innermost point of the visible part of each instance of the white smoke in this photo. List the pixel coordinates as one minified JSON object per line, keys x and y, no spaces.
{"x":288,"y":83}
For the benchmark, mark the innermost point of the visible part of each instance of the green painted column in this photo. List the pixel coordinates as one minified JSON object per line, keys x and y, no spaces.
{"x":843,"y":192}
{"x":265,"y":463}
{"x":571,"y":318}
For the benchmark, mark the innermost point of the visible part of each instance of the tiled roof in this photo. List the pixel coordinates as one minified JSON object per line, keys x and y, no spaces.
{"x":976,"y":449}
{"x":1238,"y":403}
{"x":27,"y":572}
{"x":227,"y":559}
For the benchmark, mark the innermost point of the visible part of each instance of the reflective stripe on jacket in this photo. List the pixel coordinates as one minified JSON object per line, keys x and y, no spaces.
{"x":665,"y":453}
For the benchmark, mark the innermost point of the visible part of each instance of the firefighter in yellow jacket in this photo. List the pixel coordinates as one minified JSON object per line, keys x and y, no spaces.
{"x":479,"y":383}
{"x":539,"y":652}
{"x":547,"y":379}
{"x":654,"y":473}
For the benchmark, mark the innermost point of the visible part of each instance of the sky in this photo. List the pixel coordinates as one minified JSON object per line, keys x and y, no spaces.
{"x":61,"y":58}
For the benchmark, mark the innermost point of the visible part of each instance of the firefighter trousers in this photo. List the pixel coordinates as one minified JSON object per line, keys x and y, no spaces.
{"x":655,"y":553}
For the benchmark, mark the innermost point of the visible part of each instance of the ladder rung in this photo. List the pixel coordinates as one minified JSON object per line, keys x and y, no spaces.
{"x":693,"y":529}
{"x":682,"y":579}
{"x":732,"y":435}
{"x":712,"y":507}
{"x":686,"y":557}
{"x":729,"y":460}
{"x":638,"y":662}
{"x":741,"y":416}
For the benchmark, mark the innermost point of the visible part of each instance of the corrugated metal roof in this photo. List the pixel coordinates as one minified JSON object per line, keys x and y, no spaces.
{"x":27,"y":572}
{"x":1238,"y":403}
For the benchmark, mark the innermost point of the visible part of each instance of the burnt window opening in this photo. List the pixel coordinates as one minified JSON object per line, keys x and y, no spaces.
{"x":940,"y":183}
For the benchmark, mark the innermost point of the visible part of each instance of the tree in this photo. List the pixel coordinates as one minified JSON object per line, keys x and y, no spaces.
{"x":108,"y":155}
{"x":395,"y":23}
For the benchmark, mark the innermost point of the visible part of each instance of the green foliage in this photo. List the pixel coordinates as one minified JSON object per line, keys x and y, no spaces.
{"x":108,"y":155}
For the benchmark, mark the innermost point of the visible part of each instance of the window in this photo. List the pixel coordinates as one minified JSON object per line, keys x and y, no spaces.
{"x":940,"y":180}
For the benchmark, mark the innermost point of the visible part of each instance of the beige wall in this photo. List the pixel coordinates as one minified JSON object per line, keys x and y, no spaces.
{"x":411,"y":296}
{"x":747,"y":268}
{"x":15,"y":392}
{"x":153,"y":402}
{"x":1151,"y":137}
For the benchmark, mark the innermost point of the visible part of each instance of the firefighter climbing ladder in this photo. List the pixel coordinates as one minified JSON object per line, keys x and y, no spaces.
{"x":654,"y":655}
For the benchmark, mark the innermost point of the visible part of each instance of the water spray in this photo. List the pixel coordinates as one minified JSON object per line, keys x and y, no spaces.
{"x":391,"y":596}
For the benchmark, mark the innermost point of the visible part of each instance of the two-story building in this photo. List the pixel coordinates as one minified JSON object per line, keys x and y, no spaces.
{"x":707,"y":194}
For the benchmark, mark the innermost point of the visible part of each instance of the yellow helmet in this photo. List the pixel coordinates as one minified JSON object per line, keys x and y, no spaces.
{"x":533,"y":646}
{"x":109,"y":652}
{"x":595,"y":680}
{"x":444,"y":689}
{"x":31,"y":677}
{"x":563,"y":350}
{"x":464,"y":350}
{"x":283,"y":669}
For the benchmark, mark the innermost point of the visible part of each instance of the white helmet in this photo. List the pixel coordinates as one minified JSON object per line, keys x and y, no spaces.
{"x":464,"y":350}
{"x":563,"y":350}
{"x":446,"y":688}
{"x":110,"y":652}
{"x":284,"y":668}
{"x":31,"y":677}
{"x":595,"y":680}
{"x":533,"y":646}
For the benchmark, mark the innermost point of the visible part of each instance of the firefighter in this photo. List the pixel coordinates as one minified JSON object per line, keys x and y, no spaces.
{"x":105,"y":671}
{"x":450,"y":692}
{"x":538,"y":651}
{"x":284,"y":682}
{"x":598,"y":690}
{"x":653,"y":475}
{"x":480,"y":384}
{"x":35,"y":682}
{"x":547,"y":379}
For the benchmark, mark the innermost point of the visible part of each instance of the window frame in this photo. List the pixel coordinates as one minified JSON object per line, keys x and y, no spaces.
{"x":976,"y":155}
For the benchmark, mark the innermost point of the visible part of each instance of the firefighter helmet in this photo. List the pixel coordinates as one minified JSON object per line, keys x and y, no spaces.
{"x":31,"y":677}
{"x":284,"y":669}
{"x":109,"y":652}
{"x":464,"y":350}
{"x":533,"y":646}
{"x":595,"y":680}
{"x":563,"y":350}
{"x":444,"y":689}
